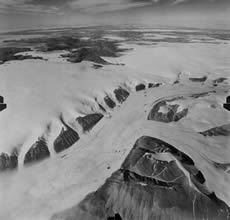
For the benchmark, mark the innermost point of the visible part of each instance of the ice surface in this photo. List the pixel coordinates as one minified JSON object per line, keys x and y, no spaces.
{"x":37,"y":92}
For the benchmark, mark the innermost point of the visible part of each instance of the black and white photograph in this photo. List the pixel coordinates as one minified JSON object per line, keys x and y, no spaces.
{"x":114,"y":109}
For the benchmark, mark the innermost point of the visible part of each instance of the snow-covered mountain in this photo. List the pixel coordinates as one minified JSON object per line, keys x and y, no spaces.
{"x":141,"y":135}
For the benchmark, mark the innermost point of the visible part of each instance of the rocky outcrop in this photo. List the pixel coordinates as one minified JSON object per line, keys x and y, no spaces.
{"x":89,"y":121}
{"x":169,"y":114}
{"x":37,"y":152}
{"x":223,"y":130}
{"x":9,"y":53}
{"x":151,"y":184}
{"x":153,"y":85}
{"x":121,"y":94}
{"x":65,"y":139}
{"x":109,"y":102}
{"x":9,"y":162}
{"x":116,"y":217}
{"x":2,"y":104}
{"x":97,"y":66}
{"x":140,"y":87}
{"x":84,"y":54}
{"x":201,"y":79}
{"x":219,"y":80}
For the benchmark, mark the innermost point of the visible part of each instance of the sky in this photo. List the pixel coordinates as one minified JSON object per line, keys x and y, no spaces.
{"x":23,"y":14}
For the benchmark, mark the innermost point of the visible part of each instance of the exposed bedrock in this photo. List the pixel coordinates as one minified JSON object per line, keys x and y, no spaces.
{"x":153,"y":85}
{"x":8,"y":161}
{"x":219,"y":80}
{"x":66,"y":138}
{"x":201,"y":79}
{"x":121,"y":94}
{"x":8,"y":53}
{"x":223,"y":130}
{"x":37,"y":152}
{"x":116,"y":217}
{"x":89,"y":121}
{"x":168,"y":114}
{"x":109,"y":102}
{"x":87,"y":54}
{"x":140,"y":87}
{"x":151,"y":184}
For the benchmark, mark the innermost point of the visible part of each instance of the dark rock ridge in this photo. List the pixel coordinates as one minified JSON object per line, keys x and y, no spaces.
{"x":219,"y":80}
{"x":140,"y":87}
{"x":149,"y":188}
{"x":89,"y":121}
{"x":116,"y":217}
{"x":66,"y":138}
{"x":222,"y":166}
{"x":37,"y":152}
{"x":223,"y":130}
{"x":201,"y":79}
{"x":109,"y":102}
{"x":97,"y":66}
{"x":87,"y":54}
{"x":121,"y":94}
{"x":198,"y":95}
{"x":171,"y":115}
{"x":153,"y":85}
{"x":9,"y":162}
{"x":26,"y":57}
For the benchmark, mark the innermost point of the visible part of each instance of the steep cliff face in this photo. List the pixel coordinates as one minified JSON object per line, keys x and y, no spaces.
{"x":9,"y":161}
{"x":37,"y":152}
{"x":140,"y":87}
{"x":89,"y":121}
{"x":121,"y":94}
{"x":65,"y":139}
{"x":156,"y":181}
{"x":109,"y":102}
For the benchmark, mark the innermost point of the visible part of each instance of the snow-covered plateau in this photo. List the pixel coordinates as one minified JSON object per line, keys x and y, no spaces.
{"x":115,"y":124}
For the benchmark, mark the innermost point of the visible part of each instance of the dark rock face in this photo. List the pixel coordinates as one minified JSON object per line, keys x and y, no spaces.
{"x":140,"y":87}
{"x":26,"y":57}
{"x":198,"y":95}
{"x":89,"y":121}
{"x":223,"y":130}
{"x":152,"y":85}
{"x":171,"y":115}
{"x":202,"y":79}
{"x":59,"y":43}
{"x":9,"y":162}
{"x":149,"y":188}
{"x":97,"y":66}
{"x":219,"y":80}
{"x":121,"y":94}
{"x":116,"y":217}
{"x":2,"y":104}
{"x":8,"y":53}
{"x":87,"y":54}
{"x":109,"y":102}
{"x":37,"y":152}
{"x":65,"y":139}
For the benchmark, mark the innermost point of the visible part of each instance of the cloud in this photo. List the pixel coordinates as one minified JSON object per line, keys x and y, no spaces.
{"x":92,"y":6}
